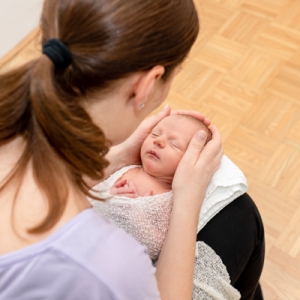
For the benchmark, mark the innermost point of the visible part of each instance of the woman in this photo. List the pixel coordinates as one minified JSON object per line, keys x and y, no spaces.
{"x":105,"y":66}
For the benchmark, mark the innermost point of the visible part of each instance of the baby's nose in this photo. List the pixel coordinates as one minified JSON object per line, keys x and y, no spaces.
{"x":160,"y":142}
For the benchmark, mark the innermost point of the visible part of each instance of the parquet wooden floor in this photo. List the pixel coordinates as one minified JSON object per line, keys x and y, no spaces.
{"x":244,"y":74}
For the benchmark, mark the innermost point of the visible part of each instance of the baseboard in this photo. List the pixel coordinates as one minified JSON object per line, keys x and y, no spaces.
{"x":19,"y":47}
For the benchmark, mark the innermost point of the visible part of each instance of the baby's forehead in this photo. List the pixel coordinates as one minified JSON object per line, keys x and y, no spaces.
{"x":178,"y":126}
{"x":186,"y":120}
{"x":184,"y":126}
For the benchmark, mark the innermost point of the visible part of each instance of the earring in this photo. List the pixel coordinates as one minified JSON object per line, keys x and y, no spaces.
{"x":142,"y":106}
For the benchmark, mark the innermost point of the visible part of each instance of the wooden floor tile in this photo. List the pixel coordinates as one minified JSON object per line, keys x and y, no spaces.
{"x":257,"y":69}
{"x":243,"y":28}
{"x":290,"y":15}
{"x":273,"y":115}
{"x":286,"y":82}
{"x":279,"y":41}
{"x":220,"y":53}
{"x":264,"y":8}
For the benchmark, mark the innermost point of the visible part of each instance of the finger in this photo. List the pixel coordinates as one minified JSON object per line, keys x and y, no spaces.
{"x":215,"y":132}
{"x":128,"y":195}
{"x":195,"y":147}
{"x":131,"y":184}
{"x":123,"y":190}
{"x":192,"y":113}
{"x":207,"y":121}
{"x":120,"y":183}
{"x":214,"y":146}
{"x":150,"y":193}
{"x":213,"y":151}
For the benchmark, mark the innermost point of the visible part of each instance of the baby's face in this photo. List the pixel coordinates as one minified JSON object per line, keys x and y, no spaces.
{"x":164,"y":147}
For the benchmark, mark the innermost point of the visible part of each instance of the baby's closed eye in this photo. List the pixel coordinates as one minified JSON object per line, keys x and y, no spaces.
{"x":176,"y":145}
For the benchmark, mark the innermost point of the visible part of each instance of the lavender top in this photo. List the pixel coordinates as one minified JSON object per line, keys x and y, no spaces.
{"x":88,"y":258}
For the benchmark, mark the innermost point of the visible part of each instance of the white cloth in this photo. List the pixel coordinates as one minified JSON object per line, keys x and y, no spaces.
{"x":227,"y":184}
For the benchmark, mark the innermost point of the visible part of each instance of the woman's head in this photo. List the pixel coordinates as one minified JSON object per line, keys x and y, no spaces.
{"x":110,"y":41}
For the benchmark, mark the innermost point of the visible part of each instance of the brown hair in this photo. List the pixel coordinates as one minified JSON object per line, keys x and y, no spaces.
{"x":108,"y":39}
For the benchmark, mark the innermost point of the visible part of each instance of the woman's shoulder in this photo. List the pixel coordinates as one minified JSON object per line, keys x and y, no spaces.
{"x":89,"y":251}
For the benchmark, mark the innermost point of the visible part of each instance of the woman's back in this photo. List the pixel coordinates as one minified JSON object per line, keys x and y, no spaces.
{"x":30,"y":207}
{"x":81,"y":260}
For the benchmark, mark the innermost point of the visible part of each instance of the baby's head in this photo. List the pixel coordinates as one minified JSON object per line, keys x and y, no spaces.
{"x":164,"y":147}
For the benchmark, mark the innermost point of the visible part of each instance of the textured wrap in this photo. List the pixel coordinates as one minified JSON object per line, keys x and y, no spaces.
{"x":147,"y":219}
{"x":211,"y":279}
{"x":144,"y":218}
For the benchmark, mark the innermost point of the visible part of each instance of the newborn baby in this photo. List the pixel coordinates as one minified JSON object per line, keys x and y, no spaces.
{"x":161,"y":153}
{"x":146,"y":218}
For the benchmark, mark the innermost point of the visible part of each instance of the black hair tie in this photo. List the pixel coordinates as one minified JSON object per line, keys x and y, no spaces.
{"x":58,"y":52}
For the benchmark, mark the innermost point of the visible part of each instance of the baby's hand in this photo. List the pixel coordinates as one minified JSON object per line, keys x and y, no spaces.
{"x":122,"y":188}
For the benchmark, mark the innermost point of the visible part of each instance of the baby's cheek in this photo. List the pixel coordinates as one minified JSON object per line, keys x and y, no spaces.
{"x":175,"y":161}
{"x":142,"y":152}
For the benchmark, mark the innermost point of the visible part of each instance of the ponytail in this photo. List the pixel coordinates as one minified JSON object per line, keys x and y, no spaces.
{"x":15,"y":107}
{"x":62,"y":142}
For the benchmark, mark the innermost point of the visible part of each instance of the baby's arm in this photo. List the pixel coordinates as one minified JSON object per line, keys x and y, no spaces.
{"x":127,"y":189}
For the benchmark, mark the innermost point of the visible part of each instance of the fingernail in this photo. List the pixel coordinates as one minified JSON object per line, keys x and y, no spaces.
{"x":201,"y":135}
{"x":166,"y":107}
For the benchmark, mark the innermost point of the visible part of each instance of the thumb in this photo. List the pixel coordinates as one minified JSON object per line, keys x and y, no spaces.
{"x":131,"y":184}
{"x":195,"y":147}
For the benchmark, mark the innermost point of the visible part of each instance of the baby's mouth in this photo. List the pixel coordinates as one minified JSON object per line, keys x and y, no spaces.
{"x":153,"y":153}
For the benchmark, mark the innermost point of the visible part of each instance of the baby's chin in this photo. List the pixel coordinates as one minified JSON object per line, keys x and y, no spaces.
{"x":155,"y":169}
{"x":149,"y":165}
{"x":152,"y":167}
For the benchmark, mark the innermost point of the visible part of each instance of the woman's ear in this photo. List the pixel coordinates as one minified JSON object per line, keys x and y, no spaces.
{"x":144,"y":86}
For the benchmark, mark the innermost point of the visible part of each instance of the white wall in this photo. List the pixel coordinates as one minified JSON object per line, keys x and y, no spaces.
{"x":17,"y":19}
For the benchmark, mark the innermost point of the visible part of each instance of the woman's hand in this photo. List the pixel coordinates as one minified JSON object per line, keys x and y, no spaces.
{"x":175,"y":266}
{"x":132,"y":146}
{"x":196,"y":168}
